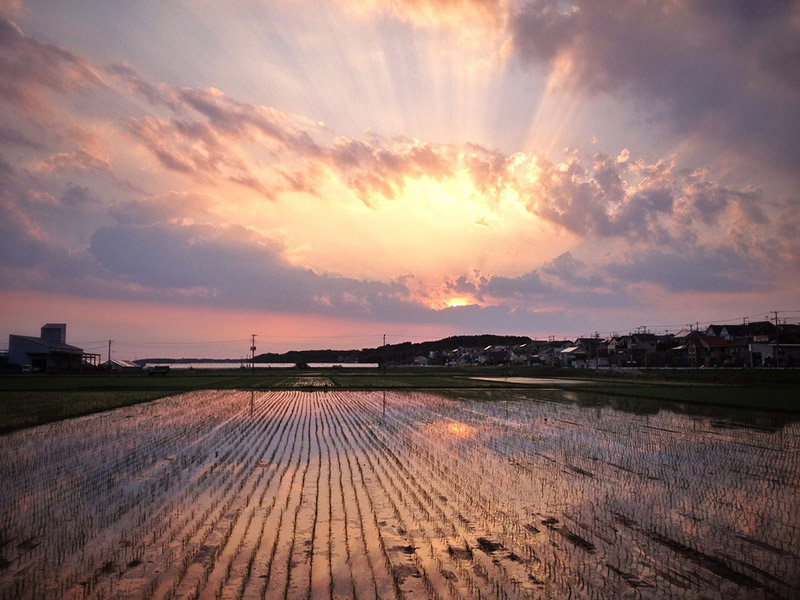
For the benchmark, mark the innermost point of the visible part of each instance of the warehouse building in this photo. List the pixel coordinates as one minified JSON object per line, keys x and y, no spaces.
{"x":48,"y":353}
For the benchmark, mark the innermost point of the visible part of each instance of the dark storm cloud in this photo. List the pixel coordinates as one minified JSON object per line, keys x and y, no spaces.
{"x":724,"y":70}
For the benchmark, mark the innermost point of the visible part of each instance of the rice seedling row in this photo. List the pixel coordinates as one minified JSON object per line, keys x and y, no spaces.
{"x":323,"y":494}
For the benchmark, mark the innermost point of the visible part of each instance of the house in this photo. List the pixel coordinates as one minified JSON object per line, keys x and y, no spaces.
{"x":519,"y":355}
{"x":698,"y":350}
{"x":48,"y":353}
{"x":779,"y":350}
{"x":122,"y":366}
{"x":573,"y":356}
{"x":596,"y":350}
{"x":548,"y":353}
{"x":745,"y":331}
{"x":753,"y":344}
{"x":642,"y":349}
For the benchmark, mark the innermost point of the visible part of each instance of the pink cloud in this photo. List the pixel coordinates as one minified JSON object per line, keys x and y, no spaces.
{"x":79,"y":160}
{"x":29,"y":67}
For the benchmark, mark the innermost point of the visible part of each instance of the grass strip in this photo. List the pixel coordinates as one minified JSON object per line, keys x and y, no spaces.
{"x":30,"y":400}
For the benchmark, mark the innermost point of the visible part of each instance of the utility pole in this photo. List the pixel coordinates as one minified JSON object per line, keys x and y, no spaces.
{"x":253,"y":353}
{"x":384,"y":367}
{"x":109,"y":354}
{"x":775,"y":312}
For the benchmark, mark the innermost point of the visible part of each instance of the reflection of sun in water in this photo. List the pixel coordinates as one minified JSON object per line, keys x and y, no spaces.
{"x":459,"y":430}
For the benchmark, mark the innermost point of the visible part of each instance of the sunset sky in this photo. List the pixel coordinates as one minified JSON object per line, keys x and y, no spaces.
{"x":178,"y":175}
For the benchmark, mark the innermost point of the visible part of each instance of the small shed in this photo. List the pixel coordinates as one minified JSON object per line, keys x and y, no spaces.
{"x":122,"y":366}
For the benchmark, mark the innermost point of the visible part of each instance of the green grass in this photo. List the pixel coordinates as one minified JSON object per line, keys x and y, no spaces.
{"x":28,"y":409}
{"x":759,"y":396}
{"x":29,"y":400}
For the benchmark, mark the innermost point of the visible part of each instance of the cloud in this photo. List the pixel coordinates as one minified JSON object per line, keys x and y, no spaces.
{"x":564,"y":283}
{"x":375,"y":167}
{"x":191,"y":240}
{"x":157,"y":94}
{"x":21,"y":244}
{"x":214,"y":139}
{"x":28,"y":68}
{"x":710,"y":70}
{"x":79,"y":160}
{"x":172,"y":206}
{"x":653,"y":203}
{"x":573,"y":272}
{"x":10,"y":7}
{"x":13,"y":136}
{"x":235,"y":267}
{"x":717,"y":269}
{"x":203,"y":112}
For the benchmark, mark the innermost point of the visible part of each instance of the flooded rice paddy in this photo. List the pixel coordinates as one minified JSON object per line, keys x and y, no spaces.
{"x":325,"y":494}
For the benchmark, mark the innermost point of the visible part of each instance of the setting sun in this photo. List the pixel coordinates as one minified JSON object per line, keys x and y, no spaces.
{"x":457,"y":302}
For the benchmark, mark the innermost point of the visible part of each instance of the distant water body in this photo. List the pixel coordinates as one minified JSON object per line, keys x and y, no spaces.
{"x":246,"y":365}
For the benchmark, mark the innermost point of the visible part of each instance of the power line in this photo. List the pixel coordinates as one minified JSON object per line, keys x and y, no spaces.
{"x":318,"y":337}
{"x":196,"y":343}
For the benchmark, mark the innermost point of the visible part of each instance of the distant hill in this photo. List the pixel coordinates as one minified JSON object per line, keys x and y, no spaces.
{"x":403,"y":353}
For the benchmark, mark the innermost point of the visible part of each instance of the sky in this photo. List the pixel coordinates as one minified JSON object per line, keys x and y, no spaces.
{"x":178,"y":175}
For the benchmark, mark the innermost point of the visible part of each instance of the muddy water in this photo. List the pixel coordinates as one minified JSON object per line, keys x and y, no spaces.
{"x":320,"y":494}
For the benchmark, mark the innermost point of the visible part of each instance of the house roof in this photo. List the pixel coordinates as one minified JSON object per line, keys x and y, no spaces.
{"x":748,"y":329}
{"x":127,"y":364}
{"x":48,"y":346}
{"x":712,"y":341}
{"x":573,"y":350}
{"x":684,"y":333}
{"x":645,"y":336}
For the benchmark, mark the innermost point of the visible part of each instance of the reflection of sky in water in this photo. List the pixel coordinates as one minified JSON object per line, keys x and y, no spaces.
{"x":613,"y":502}
{"x":651,"y":485}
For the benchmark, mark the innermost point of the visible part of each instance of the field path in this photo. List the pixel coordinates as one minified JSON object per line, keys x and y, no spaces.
{"x":318,"y":494}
